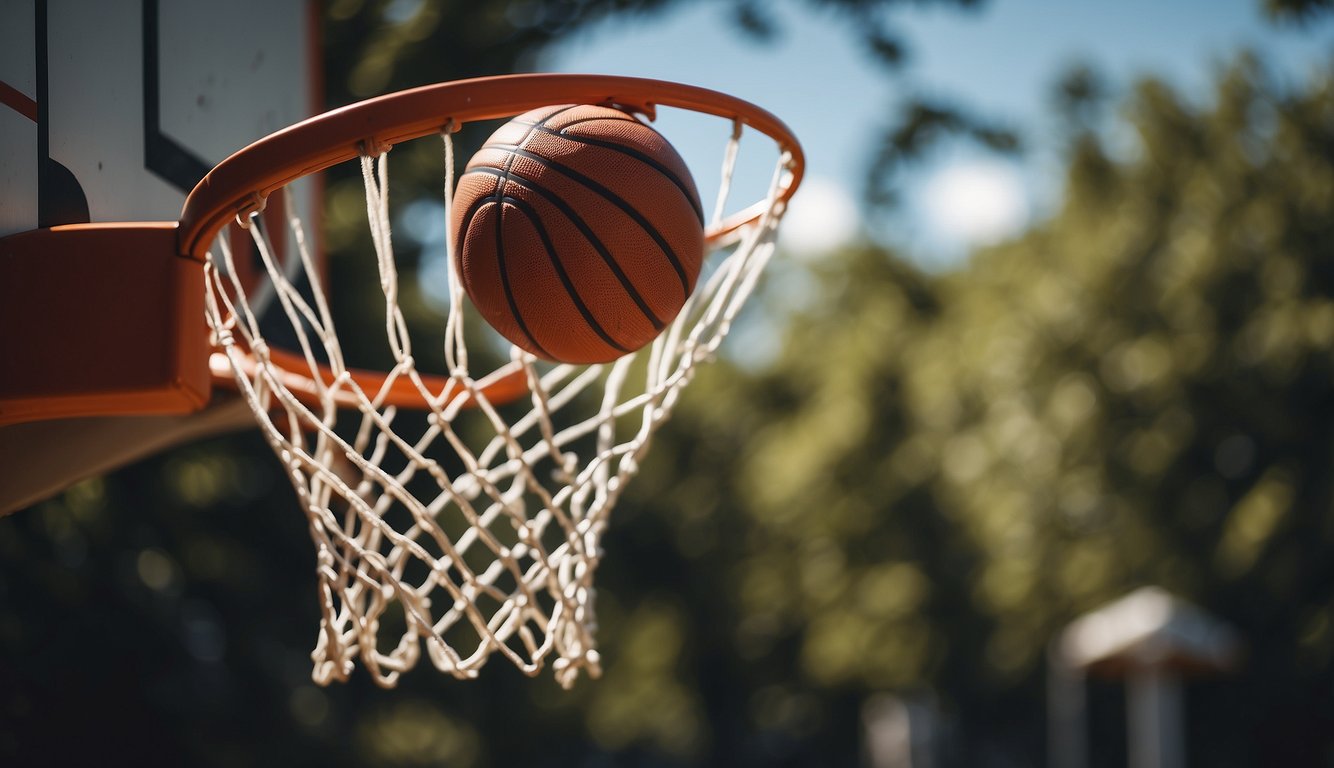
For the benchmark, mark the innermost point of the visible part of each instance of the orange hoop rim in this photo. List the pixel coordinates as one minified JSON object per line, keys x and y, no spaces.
{"x":181,"y":367}
{"x":239,"y":185}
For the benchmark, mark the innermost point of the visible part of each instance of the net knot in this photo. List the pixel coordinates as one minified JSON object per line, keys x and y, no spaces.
{"x":253,"y":206}
{"x":373,"y":147}
{"x":466,"y":486}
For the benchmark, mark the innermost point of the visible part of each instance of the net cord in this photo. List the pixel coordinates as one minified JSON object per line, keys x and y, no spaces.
{"x":476,"y":530}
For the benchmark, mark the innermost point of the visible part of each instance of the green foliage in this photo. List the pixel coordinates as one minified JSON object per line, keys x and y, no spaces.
{"x":1136,"y":392}
{"x":914,"y":130}
{"x":939,"y":473}
{"x":1301,"y":11}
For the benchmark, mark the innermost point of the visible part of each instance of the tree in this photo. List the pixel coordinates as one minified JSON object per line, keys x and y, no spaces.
{"x":944,"y":471}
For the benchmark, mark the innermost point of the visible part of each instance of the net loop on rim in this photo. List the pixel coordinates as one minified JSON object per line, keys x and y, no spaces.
{"x":463,"y":512}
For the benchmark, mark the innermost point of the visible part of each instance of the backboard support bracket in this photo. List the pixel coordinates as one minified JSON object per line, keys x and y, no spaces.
{"x":100,"y":320}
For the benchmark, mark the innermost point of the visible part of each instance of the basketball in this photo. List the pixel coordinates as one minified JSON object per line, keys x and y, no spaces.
{"x":578,"y":232}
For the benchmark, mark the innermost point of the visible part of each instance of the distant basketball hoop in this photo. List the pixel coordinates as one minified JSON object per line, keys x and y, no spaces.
{"x":1151,"y":640}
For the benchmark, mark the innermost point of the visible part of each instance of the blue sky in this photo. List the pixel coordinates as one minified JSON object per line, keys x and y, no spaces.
{"x":1000,"y":60}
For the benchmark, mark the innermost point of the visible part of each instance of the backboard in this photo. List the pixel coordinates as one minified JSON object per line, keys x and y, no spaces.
{"x":113,"y":111}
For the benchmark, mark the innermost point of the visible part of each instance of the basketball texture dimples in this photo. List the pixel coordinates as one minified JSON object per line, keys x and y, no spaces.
{"x":578,"y":232}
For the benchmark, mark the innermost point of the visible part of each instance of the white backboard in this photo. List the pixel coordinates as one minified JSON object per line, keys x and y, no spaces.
{"x":113,"y":109}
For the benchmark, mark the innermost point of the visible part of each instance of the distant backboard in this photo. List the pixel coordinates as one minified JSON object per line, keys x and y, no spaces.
{"x":112,"y":110}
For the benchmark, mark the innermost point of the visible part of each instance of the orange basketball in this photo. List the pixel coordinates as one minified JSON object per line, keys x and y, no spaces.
{"x":578,"y":232}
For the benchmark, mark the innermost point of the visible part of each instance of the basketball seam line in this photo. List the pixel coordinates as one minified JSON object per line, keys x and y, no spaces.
{"x":465,"y":225}
{"x":588,"y":234}
{"x":625,"y":118}
{"x":509,"y":161}
{"x":611,"y":197}
{"x":498,"y":196}
{"x":531,"y":214}
{"x":671,"y":175}
{"x":505,"y":278}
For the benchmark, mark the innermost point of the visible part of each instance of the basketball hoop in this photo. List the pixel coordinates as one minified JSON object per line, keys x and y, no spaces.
{"x":473,"y":530}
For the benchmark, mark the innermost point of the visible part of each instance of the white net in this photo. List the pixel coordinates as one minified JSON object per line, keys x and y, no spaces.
{"x":473,"y":530}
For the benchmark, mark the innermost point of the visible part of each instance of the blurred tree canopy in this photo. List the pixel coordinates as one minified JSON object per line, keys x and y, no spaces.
{"x":944,"y":471}
{"x":940,"y":472}
{"x":935,"y":474}
{"x":1301,"y":11}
